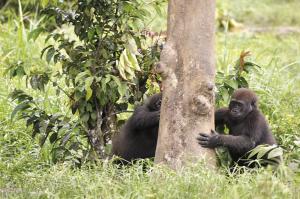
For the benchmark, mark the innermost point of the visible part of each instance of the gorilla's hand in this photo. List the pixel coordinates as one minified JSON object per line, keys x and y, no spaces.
{"x":209,"y":140}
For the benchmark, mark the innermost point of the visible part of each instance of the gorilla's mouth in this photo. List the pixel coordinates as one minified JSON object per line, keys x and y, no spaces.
{"x":235,"y":114}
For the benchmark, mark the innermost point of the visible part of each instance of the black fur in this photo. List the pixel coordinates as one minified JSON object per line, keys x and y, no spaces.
{"x":138,"y":136}
{"x":247,"y":126}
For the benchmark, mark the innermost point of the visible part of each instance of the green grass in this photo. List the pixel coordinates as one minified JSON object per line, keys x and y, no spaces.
{"x":277,"y":82}
{"x":264,"y":13}
{"x":108,"y":182}
{"x":26,"y":171}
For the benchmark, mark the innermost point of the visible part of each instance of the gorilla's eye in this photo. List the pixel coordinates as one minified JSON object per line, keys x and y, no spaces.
{"x":235,"y":105}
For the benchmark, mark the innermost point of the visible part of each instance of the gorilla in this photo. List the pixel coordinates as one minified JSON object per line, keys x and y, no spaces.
{"x":138,"y":136}
{"x":247,"y":126}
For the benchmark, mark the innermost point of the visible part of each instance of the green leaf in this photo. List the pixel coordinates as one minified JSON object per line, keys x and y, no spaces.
{"x":260,"y":151}
{"x":128,"y":7}
{"x":20,"y":107}
{"x":44,"y":50}
{"x":122,"y":89}
{"x":116,"y":80}
{"x":89,"y":107}
{"x":91,"y":34}
{"x":43,"y":139}
{"x":276,"y":152}
{"x":133,"y":63}
{"x":99,"y":30}
{"x":104,"y":53}
{"x":53,"y":138}
{"x":44,"y":3}
{"x":158,"y":10}
{"x":44,"y":126}
{"x":104,"y":82}
{"x":93,"y":116}
{"x":243,"y":82}
{"x":263,"y":151}
{"x":81,"y":75}
{"x":225,"y":95}
{"x":128,"y":67}
{"x":35,"y":33}
{"x":50,"y":54}
{"x":131,"y":45}
{"x":232,"y":83}
{"x":78,"y":95}
{"x":85,"y":117}
{"x":34,"y":82}
{"x":297,"y":142}
{"x":89,"y":91}
{"x":121,"y":65}
{"x":254,"y":152}
{"x":20,"y":71}
{"x":20,"y":95}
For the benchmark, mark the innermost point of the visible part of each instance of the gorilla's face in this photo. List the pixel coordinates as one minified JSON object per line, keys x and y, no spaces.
{"x":155,"y":103}
{"x":158,"y":104}
{"x":239,"y":109}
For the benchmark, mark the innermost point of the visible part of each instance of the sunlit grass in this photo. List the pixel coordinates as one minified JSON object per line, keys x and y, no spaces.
{"x":106,"y":181}
{"x":276,"y":83}
{"x":264,"y":13}
{"x":26,"y":171}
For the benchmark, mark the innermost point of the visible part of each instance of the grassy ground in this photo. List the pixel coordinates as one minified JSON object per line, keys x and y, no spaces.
{"x":26,"y":171}
{"x":108,"y":182}
{"x":264,"y":13}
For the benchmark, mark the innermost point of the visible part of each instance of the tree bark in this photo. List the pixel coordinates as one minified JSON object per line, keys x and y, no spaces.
{"x":187,"y":67}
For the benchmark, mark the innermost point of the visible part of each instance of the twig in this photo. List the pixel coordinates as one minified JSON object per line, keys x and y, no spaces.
{"x":60,"y":88}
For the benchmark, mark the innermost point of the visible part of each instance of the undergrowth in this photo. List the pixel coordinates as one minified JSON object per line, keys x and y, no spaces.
{"x":26,"y":170}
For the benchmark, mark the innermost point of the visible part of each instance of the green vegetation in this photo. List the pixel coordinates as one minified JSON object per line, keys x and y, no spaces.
{"x":28,"y":171}
{"x":108,"y":182}
{"x":265,"y":13}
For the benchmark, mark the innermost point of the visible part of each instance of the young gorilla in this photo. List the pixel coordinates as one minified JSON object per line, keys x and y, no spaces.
{"x":138,"y":137}
{"x":247,"y":126}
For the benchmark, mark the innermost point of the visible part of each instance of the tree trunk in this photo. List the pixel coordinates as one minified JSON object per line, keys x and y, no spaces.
{"x":100,"y":134}
{"x":187,"y":67}
{"x":95,"y":135}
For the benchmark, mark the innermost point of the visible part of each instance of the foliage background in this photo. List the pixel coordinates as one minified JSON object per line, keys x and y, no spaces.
{"x":29,"y":171}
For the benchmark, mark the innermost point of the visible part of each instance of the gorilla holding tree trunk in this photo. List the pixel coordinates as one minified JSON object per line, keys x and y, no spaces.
{"x":247,"y":126}
{"x":138,"y":136}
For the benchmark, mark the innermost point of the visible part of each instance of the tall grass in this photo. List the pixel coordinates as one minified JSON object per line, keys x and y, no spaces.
{"x":106,"y":181}
{"x":26,"y":170}
{"x":263,"y":13}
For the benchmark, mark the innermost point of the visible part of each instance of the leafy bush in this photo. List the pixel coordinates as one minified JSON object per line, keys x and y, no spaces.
{"x":104,"y":68}
{"x":227,"y":83}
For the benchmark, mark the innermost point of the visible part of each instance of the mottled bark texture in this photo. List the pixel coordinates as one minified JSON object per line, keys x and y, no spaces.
{"x":187,"y":67}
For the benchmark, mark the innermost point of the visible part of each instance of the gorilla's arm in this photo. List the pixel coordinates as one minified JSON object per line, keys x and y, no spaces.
{"x":143,"y":118}
{"x":241,"y":144}
{"x":220,"y":116}
{"x":220,"y":119}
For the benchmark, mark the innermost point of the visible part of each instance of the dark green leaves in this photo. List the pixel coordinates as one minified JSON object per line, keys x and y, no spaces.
{"x":16,"y":70}
{"x":99,"y":61}
{"x":20,"y":107}
{"x":35,"y":33}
